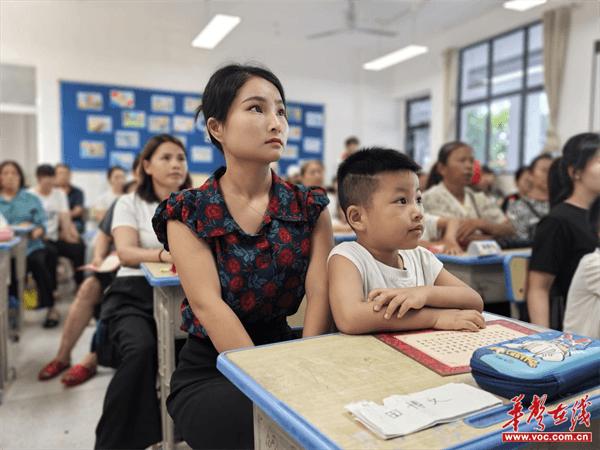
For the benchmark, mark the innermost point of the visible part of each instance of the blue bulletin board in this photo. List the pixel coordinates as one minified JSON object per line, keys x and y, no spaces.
{"x":107,"y":125}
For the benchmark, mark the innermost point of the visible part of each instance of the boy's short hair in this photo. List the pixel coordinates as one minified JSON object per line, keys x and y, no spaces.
{"x":44,"y":170}
{"x":357,"y":174}
{"x":352,"y":140}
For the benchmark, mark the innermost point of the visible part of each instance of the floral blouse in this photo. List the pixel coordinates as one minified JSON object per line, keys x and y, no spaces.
{"x":262,"y":275}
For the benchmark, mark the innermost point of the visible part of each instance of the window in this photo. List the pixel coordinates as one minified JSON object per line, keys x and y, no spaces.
{"x":502,"y":109}
{"x":418,"y":116}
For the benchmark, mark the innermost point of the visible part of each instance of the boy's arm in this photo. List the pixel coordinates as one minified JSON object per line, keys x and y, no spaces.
{"x":447,"y":292}
{"x":353,"y":315}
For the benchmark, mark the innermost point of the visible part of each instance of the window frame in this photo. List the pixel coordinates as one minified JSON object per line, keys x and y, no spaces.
{"x":523,"y":92}
{"x":409,"y":129}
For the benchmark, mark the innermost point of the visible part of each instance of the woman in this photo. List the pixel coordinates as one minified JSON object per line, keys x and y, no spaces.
{"x":116,"y":179}
{"x":568,"y":233}
{"x":449,"y":195}
{"x":131,"y":414}
{"x":526,"y":211}
{"x":21,"y":207}
{"x":247,"y":246}
{"x":312,"y":173}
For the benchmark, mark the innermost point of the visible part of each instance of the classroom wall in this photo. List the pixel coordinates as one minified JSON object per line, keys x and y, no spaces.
{"x":425,"y":74}
{"x":94,"y":48}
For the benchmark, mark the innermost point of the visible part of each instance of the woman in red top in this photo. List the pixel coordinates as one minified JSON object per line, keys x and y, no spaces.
{"x":247,"y":246}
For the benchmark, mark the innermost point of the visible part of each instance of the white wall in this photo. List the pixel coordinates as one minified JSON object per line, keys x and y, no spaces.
{"x":425,"y":74}
{"x":87,"y":42}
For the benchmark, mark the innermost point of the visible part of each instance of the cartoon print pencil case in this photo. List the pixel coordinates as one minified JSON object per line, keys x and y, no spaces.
{"x":552,"y":363}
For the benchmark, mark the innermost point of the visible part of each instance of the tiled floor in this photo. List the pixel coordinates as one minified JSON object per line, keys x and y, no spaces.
{"x":46,"y":415}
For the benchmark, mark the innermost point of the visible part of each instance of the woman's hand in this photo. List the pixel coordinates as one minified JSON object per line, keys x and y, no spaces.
{"x":399,"y":299}
{"x":166,"y":257}
{"x":468,"y":227}
{"x":451,"y":247}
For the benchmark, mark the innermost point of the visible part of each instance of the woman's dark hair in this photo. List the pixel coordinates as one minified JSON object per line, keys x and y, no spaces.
{"x":576,"y":153}
{"x":45,"y":170}
{"x":145,"y":188}
{"x":445,"y":151}
{"x":112,"y":169}
{"x":520,"y":172}
{"x":223,"y":86}
{"x":17,"y":167}
{"x":539,"y":158}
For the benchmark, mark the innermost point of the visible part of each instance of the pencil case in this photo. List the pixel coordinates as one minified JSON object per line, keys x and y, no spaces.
{"x":553,"y":363}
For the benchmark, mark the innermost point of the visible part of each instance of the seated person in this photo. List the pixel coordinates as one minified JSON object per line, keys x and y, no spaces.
{"x":312,"y":173}
{"x":74,"y":196}
{"x":20,"y":207}
{"x":384,"y":281}
{"x":439,"y":234}
{"x":487,"y":184}
{"x":526,"y":211}
{"x":568,"y":232}
{"x":523,"y":182}
{"x":449,"y":195}
{"x":62,"y":238}
{"x":582,"y":315}
{"x":116,"y":179}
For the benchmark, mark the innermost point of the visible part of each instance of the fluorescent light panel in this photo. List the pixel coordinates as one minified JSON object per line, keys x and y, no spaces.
{"x":523,"y":5}
{"x":213,"y":33}
{"x":396,"y":57}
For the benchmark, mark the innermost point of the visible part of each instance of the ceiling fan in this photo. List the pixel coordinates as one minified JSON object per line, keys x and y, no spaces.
{"x":351,"y":26}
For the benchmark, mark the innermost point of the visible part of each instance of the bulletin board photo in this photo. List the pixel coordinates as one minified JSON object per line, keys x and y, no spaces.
{"x":107,"y":125}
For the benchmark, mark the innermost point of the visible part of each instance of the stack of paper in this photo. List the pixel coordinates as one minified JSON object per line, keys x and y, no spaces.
{"x":405,"y":414}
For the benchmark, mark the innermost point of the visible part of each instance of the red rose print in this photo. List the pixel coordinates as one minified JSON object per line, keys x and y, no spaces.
{"x":169,"y":210}
{"x":213,"y":212}
{"x":218,"y":231}
{"x":263,"y":244}
{"x":233,"y":266}
{"x":286,"y":300}
{"x":286,"y":257}
{"x":236,"y":283}
{"x":263,"y":261}
{"x":305,"y":246}
{"x":285,"y":235}
{"x":248,"y":301}
{"x":185,"y":212}
{"x":310,"y":200}
{"x":179,"y":197}
{"x":274,"y":204}
{"x":294,"y":207}
{"x":270,"y":289}
{"x":231,"y":239}
{"x":199,"y":226}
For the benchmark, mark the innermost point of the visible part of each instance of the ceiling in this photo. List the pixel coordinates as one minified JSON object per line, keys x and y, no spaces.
{"x":272,"y":31}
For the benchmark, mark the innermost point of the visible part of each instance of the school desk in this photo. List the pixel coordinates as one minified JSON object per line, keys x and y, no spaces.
{"x":19,"y":253}
{"x":299,"y":390}
{"x":488,"y":275}
{"x":168,"y":295}
{"x":6,"y":371}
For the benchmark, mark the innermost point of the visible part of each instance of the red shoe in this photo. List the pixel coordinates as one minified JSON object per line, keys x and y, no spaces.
{"x":52,"y":369}
{"x":77,"y":374}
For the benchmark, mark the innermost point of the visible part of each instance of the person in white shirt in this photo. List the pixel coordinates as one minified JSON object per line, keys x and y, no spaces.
{"x":384,"y":281}
{"x":62,"y":237}
{"x":582,"y":314}
{"x":116,"y":179}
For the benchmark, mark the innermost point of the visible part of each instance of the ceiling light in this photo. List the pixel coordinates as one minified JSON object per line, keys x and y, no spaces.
{"x":396,"y":57}
{"x":213,"y":33}
{"x":523,"y":5}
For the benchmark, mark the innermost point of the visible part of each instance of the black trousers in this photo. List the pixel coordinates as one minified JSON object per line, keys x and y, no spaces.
{"x":131,"y":412}
{"x":74,"y":252}
{"x":37,"y":264}
{"x":208,"y":411}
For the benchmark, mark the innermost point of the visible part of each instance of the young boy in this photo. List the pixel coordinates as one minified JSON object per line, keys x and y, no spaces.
{"x":384,"y":281}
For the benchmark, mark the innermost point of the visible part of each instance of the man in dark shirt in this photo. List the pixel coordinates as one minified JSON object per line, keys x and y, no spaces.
{"x":74,"y":194}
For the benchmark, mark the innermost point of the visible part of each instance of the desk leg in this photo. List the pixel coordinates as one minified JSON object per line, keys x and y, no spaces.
{"x":269,"y":435}
{"x":19,"y":252}
{"x":165,"y":327}
{"x":4,"y":330}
